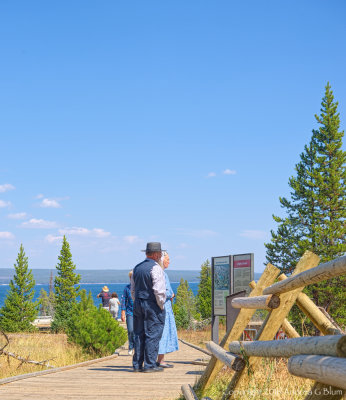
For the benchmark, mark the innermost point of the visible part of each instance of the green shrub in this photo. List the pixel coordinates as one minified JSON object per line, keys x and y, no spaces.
{"x":182,"y":318}
{"x":94,"y":329}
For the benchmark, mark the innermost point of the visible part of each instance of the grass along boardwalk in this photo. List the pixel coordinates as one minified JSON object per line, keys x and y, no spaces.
{"x":112,"y":378}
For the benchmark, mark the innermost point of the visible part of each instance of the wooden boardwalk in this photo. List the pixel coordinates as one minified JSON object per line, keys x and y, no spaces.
{"x":110,"y":379}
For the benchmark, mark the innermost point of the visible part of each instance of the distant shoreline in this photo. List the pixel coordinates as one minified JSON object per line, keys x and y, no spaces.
{"x":93,"y":283}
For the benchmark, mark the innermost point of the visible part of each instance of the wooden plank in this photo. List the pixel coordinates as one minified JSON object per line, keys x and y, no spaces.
{"x":328,"y":370}
{"x":334,"y":346}
{"x":231,"y":360}
{"x":267,"y":302}
{"x":115,"y":374}
{"x":324,"y":271}
{"x":275,"y":317}
{"x":268,"y":277}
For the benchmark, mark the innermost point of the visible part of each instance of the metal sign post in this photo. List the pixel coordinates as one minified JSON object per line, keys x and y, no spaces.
{"x":221,"y":270}
{"x":229,"y":274}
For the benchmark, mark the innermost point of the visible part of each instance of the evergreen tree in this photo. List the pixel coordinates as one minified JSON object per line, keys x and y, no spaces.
{"x":203,"y":301}
{"x":94,"y":329}
{"x":65,"y":290}
{"x":19,"y":310}
{"x":185,"y":305}
{"x":47,"y":302}
{"x":316,"y":211}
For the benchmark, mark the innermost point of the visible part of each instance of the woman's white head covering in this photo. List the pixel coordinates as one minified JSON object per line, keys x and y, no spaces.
{"x":164,"y":253}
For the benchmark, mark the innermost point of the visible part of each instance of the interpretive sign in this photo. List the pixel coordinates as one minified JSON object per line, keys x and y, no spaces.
{"x":243,"y":272}
{"x":221,"y":282}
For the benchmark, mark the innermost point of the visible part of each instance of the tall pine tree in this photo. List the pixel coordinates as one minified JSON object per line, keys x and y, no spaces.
{"x":65,"y":288}
{"x":19,"y":310}
{"x":316,"y":210}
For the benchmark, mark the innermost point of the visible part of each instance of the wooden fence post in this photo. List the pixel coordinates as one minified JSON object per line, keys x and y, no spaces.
{"x":286,"y":326}
{"x":276,"y":317}
{"x":243,"y":319}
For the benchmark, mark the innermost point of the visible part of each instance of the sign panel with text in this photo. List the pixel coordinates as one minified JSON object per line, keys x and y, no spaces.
{"x":243,"y":272}
{"x":221,"y":282}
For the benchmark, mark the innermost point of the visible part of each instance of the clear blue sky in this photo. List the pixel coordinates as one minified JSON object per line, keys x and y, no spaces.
{"x":176,"y":121}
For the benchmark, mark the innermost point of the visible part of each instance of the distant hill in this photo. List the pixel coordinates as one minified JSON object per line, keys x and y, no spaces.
{"x":42,"y":276}
{"x":102,"y":275}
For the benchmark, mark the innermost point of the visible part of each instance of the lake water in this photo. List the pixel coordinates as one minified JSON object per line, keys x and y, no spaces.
{"x":95,"y":289}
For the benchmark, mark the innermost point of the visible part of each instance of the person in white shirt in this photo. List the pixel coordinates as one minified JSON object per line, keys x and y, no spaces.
{"x":114,"y":305}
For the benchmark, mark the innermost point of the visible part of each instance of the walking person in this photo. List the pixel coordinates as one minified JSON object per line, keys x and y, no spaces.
{"x":169,"y":339}
{"x":127,"y":312}
{"x":105,"y":297}
{"x":114,"y":305}
{"x":148,"y":289}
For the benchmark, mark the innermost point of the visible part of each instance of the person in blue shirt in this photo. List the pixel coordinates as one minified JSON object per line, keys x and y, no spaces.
{"x":127,"y":310}
{"x":169,"y":339}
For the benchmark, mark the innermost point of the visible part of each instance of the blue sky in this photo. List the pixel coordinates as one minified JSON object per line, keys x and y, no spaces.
{"x":128,"y":122}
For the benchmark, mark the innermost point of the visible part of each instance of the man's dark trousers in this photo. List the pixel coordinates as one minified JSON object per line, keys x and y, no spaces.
{"x":149,"y":321}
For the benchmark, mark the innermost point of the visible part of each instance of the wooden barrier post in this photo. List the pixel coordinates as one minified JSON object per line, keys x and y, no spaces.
{"x":243,"y":319}
{"x":308,"y":307}
{"x":316,"y":316}
{"x":188,"y":392}
{"x":286,"y":326}
{"x":276,"y":317}
{"x":324,"y":271}
{"x":233,"y":361}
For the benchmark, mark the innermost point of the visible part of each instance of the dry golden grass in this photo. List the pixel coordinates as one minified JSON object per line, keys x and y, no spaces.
{"x":38,"y":347}
{"x":199,"y":337}
{"x":270,"y":380}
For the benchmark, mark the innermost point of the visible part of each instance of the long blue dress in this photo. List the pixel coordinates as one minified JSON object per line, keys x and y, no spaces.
{"x":169,"y":339}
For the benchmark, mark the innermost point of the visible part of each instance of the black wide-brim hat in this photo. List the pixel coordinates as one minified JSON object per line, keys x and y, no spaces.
{"x":153,"y":247}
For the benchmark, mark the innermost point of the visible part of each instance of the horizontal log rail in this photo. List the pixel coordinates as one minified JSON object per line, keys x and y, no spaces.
{"x":321,"y":345}
{"x":233,"y":361}
{"x":329,"y":370}
{"x":196,"y":347}
{"x":320,"y":273}
{"x":267,"y":302}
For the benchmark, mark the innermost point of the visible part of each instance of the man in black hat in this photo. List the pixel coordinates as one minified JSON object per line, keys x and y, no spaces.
{"x":148,"y":288}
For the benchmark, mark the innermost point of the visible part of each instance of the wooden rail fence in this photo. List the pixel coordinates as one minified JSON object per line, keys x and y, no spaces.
{"x":320,"y":358}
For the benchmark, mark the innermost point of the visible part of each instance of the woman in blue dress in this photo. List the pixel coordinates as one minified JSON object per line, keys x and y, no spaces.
{"x":169,"y":339}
